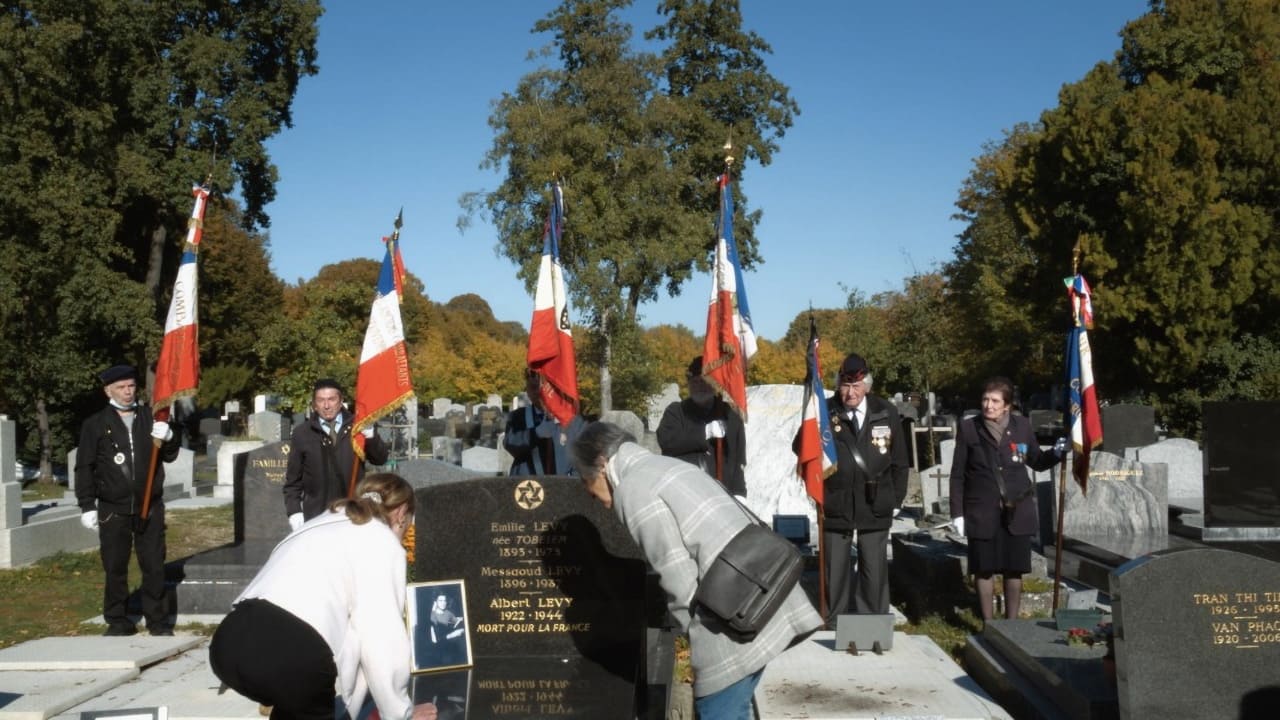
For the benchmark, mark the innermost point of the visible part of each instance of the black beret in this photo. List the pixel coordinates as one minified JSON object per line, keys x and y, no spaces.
{"x":116,"y":373}
{"x":853,"y":368}
{"x":695,"y":366}
{"x":323,"y":383}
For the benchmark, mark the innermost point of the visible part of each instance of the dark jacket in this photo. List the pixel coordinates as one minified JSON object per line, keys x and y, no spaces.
{"x":533,"y":455}
{"x":851,"y":502}
{"x":108,"y":474}
{"x":682,"y":433}
{"x":974,"y":493}
{"x":319,"y":471}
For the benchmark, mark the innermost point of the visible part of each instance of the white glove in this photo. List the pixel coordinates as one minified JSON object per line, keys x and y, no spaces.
{"x":367,"y":433}
{"x":160,"y":431}
{"x":295,"y":521}
{"x":546,"y":428}
{"x":715,"y":429}
{"x":1060,"y":447}
{"x":896,"y":511}
{"x":958,"y":524}
{"x":89,"y":520}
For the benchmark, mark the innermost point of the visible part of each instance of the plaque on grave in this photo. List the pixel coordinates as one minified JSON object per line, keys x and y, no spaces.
{"x":1241,"y":458}
{"x":555,"y":590}
{"x":1197,"y":631}
{"x":1126,"y":425}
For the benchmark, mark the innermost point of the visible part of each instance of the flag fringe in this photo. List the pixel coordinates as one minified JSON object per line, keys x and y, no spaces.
{"x":368,"y":420}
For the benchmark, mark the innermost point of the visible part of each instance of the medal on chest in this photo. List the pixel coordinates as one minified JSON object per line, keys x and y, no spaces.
{"x":880,"y":438}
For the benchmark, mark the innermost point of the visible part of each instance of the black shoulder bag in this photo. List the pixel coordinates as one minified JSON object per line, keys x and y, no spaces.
{"x":750,"y":578}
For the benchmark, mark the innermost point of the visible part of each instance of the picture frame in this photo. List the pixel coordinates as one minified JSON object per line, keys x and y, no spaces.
{"x":439,"y":637}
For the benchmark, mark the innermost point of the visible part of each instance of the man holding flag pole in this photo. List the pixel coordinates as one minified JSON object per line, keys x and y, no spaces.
{"x":119,"y":479}
{"x":538,"y":435}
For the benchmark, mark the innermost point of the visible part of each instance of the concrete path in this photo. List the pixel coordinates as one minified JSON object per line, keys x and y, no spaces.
{"x":61,"y":678}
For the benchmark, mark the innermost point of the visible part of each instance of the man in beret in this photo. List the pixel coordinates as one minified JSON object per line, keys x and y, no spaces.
{"x":864,"y":493}
{"x":111,"y":477}
{"x":321,"y":456}
{"x":703,"y":430}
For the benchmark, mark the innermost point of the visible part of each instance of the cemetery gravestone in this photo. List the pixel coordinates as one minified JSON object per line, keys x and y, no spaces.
{"x":267,"y":426}
{"x":1240,"y":460}
{"x":1197,"y":633}
{"x":1185,"y":465}
{"x":555,"y":594}
{"x":259,"y":494}
{"x":1126,"y":425}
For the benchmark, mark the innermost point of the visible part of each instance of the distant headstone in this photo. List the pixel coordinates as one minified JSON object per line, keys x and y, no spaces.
{"x":481,"y":459}
{"x":555,"y":594}
{"x":227,"y":451}
{"x":210,"y":426}
{"x":10,"y":485}
{"x":426,"y":472}
{"x":179,"y":474}
{"x":231,"y":407}
{"x":447,"y":449}
{"x":266,"y":425}
{"x":626,"y":420}
{"x":259,"y":493}
{"x":495,"y":400}
{"x":263,"y":403}
{"x":455,"y":423}
{"x":657,"y":405}
{"x":1241,"y":460}
{"x":1046,"y":424}
{"x":440,"y":406}
{"x":1185,"y":464}
{"x":1197,"y":633}
{"x":1126,"y":425}
{"x":772,"y":484}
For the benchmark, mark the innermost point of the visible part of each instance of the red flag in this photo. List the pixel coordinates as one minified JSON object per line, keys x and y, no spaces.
{"x":1083,"y":420}
{"x":383,"y":382}
{"x":730,"y":340}
{"x":550,"y":351}
{"x":814,"y":446}
{"x":178,"y":368}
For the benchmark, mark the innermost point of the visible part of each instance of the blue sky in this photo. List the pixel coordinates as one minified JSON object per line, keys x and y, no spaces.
{"x":896,"y":99}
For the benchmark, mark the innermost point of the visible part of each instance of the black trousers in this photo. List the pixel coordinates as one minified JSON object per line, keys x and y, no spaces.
{"x":270,"y":656}
{"x":869,"y":590}
{"x":118,"y":536}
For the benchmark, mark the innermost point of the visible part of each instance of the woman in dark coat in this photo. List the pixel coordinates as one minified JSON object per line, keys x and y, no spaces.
{"x":993,"y":499}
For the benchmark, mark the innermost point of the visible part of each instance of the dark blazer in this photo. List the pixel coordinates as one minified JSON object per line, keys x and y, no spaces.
{"x":117,"y":487}
{"x":319,"y":471}
{"x":528,"y":451}
{"x":977,"y":459}
{"x":682,"y":433}
{"x":851,"y":504}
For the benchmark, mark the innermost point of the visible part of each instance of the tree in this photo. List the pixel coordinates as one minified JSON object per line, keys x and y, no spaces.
{"x":1160,"y":166}
{"x":109,"y":109}
{"x":640,"y":203}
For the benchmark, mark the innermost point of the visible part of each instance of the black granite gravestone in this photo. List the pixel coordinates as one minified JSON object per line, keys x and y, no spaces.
{"x":556,"y":596}
{"x":1197,"y":633}
{"x":1127,"y":426}
{"x":207,"y":582}
{"x":1241,"y":461}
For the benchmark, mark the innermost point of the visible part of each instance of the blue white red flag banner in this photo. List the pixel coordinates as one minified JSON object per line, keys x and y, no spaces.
{"x":1082,"y":418}
{"x":178,"y":367}
{"x":383,"y":382}
{"x":550,"y":352}
{"x":815,"y":446}
{"x":730,"y":340}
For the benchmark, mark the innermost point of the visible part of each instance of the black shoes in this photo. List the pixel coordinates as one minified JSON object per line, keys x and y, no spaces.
{"x":161,"y":631}
{"x":120,"y":630}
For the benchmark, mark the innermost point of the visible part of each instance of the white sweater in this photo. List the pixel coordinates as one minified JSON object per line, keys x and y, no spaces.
{"x":348,"y":582}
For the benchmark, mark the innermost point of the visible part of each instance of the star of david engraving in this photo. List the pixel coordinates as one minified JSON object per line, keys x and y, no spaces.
{"x":529,"y":494}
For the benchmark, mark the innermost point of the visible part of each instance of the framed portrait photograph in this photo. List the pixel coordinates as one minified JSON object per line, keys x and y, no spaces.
{"x":438,"y":633}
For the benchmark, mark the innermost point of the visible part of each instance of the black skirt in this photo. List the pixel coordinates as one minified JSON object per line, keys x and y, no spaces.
{"x":1002,"y":553}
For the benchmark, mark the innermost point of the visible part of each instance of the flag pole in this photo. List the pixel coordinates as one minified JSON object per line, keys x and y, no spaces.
{"x":822,"y":522}
{"x":355,"y":456}
{"x":1062,"y":474}
{"x":195,"y":229}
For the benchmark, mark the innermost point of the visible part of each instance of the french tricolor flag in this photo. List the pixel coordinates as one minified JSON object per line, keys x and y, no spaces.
{"x":815,"y":446}
{"x":730,"y":340}
{"x":178,"y":368}
{"x":383,"y":382}
{"x":550,"y":351}
{"x":1083,"y":418}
